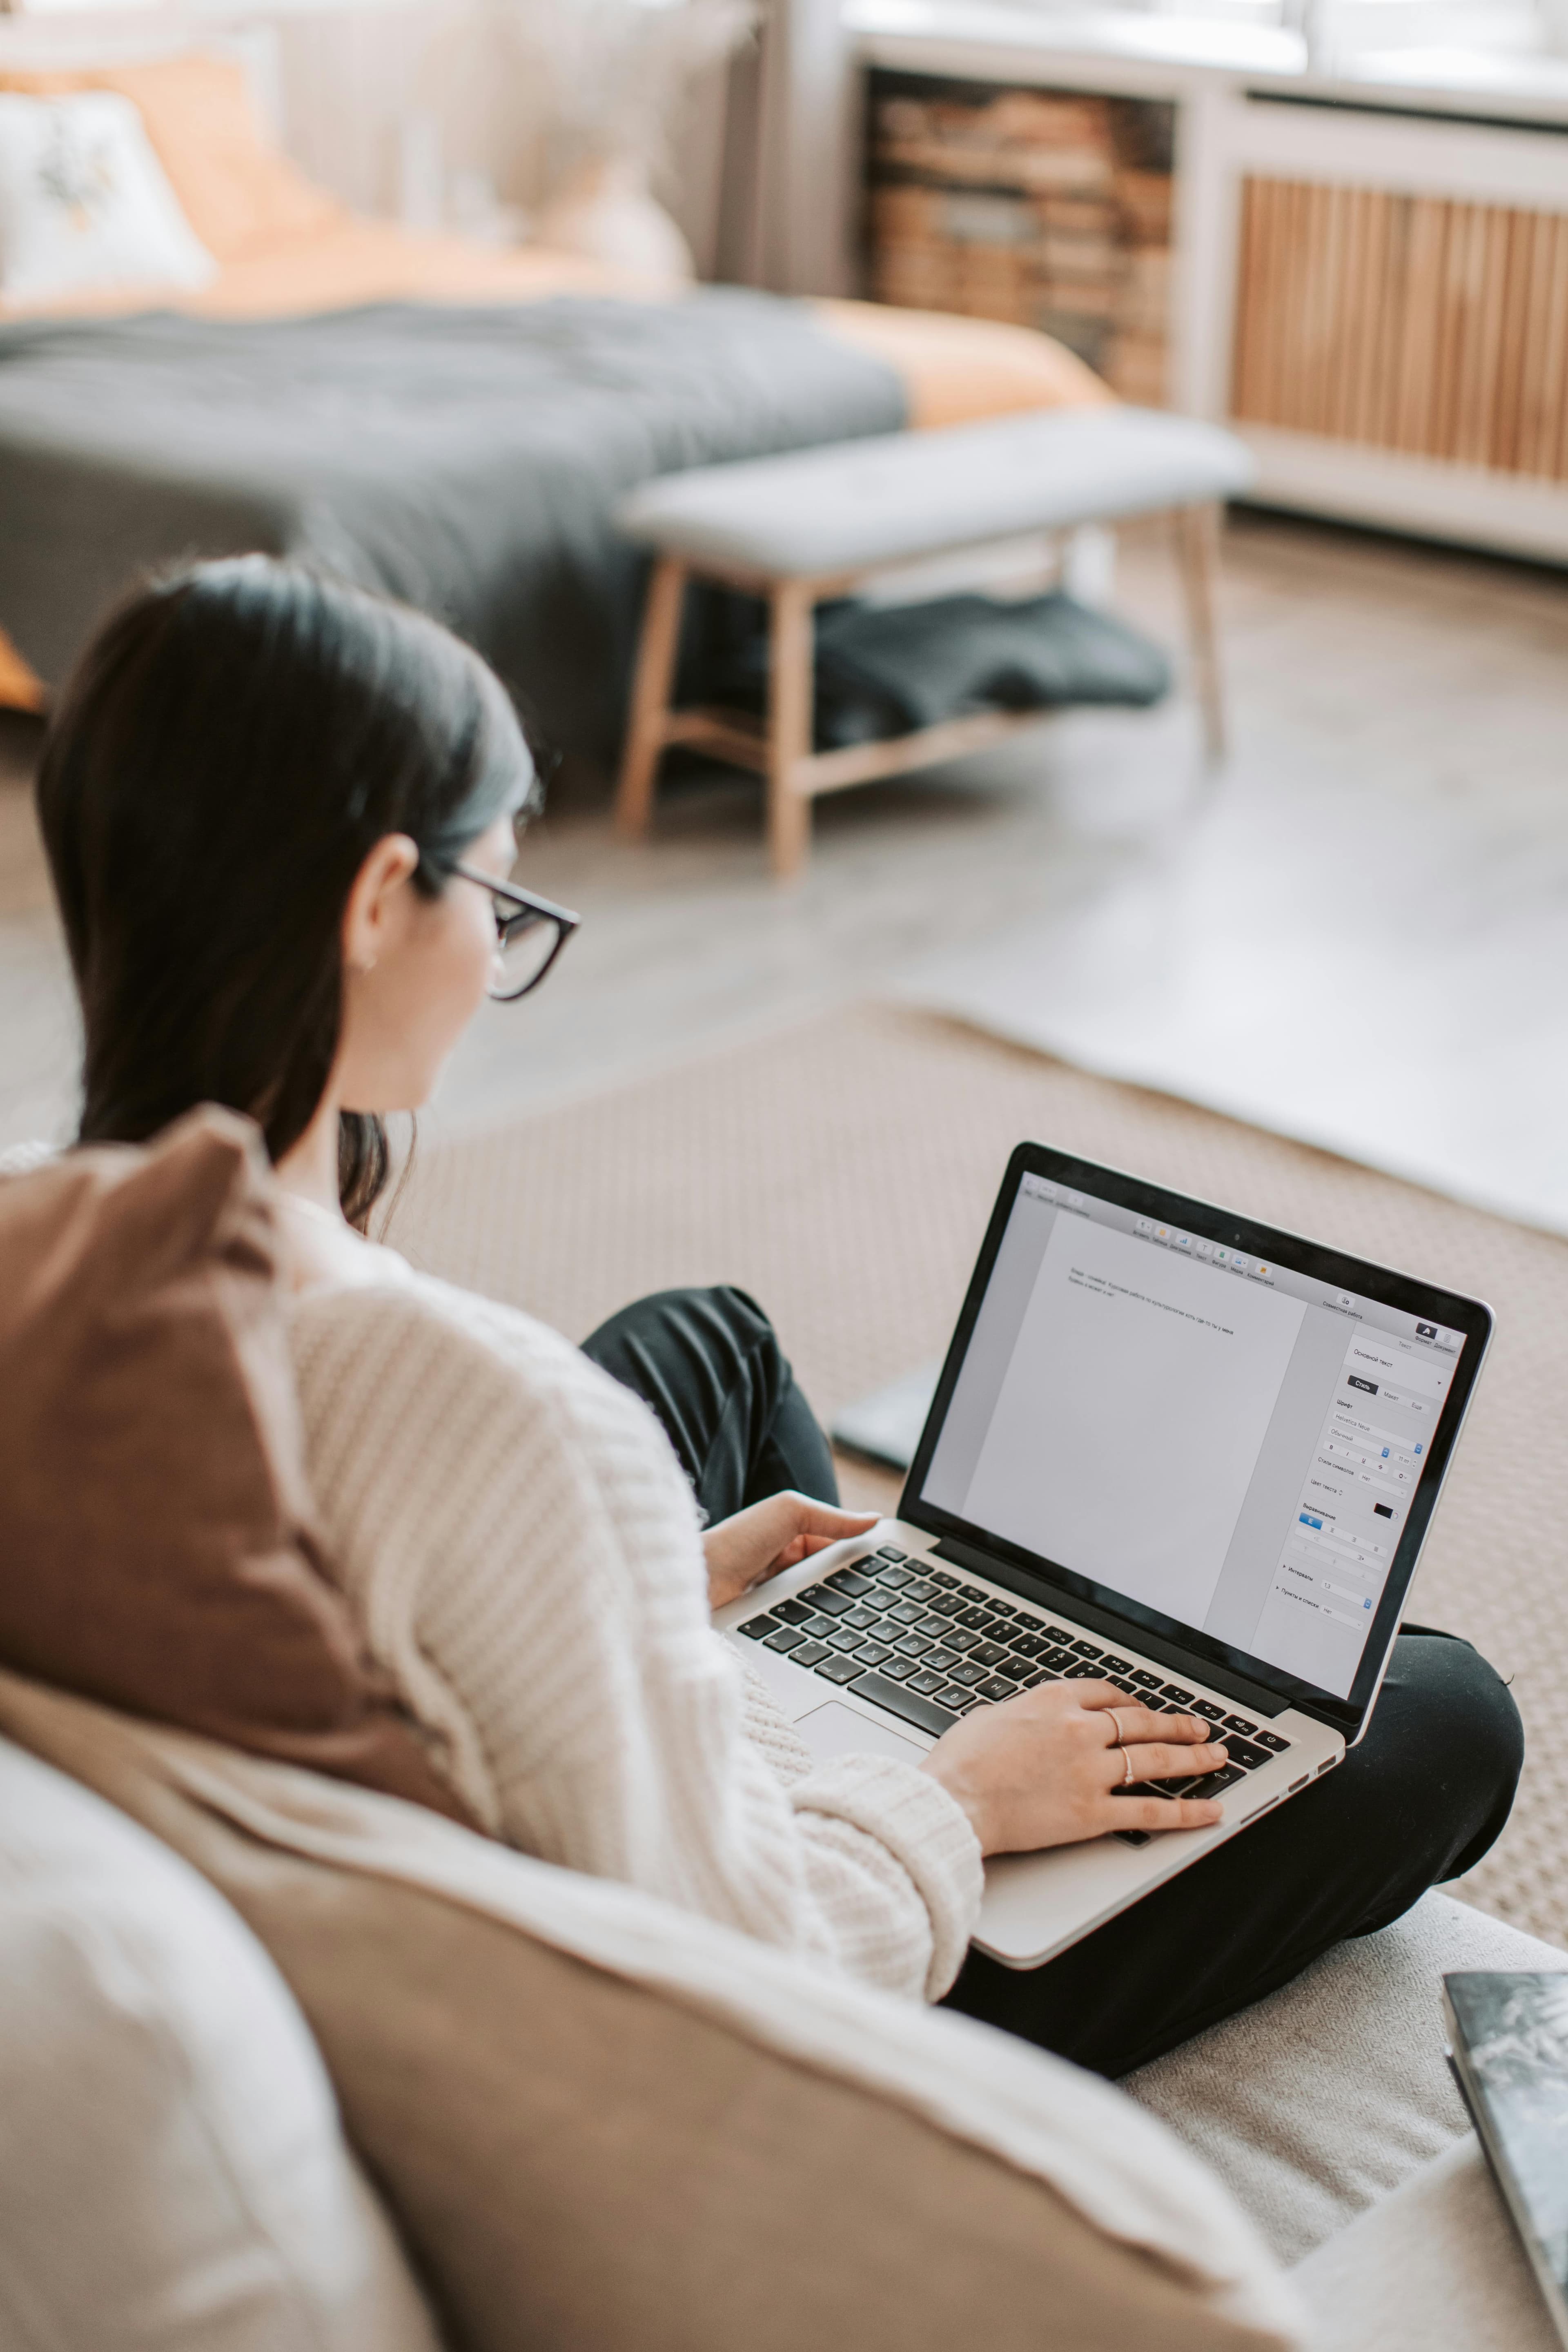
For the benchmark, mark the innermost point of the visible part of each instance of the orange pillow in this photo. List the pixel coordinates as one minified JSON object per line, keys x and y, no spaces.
{"x":239,"y":193}
{"x":157,"y":1551}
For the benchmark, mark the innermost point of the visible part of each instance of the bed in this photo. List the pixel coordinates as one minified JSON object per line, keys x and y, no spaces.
{"x":448,"y":423}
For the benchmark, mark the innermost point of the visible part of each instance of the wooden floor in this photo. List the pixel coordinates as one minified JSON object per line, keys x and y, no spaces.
{"x":1426,"y":676}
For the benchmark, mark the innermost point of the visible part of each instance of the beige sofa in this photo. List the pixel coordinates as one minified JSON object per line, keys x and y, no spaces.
{"x":592,"y":2122}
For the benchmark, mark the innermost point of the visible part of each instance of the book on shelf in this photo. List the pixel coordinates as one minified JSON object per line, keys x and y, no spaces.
{"x":1508,"y":2047}
{"x":1042,"y":209}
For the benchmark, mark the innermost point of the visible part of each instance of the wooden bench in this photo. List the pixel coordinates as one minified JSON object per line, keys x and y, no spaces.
{"x":820,"y":522}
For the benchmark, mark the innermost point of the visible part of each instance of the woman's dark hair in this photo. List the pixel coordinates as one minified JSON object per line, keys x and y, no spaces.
{"x":232,"y":745}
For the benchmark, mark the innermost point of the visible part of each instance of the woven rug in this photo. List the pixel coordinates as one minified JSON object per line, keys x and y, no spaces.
{"x":843,"y":1172}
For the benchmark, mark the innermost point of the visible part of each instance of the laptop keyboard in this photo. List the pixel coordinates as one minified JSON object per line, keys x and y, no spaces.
{"x":926,"y":1646}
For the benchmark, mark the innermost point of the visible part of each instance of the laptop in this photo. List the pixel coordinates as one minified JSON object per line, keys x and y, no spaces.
{"x":1171,"y":1448}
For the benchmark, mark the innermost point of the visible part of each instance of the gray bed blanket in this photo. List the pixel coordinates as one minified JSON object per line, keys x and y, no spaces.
{"x":467,"y":460}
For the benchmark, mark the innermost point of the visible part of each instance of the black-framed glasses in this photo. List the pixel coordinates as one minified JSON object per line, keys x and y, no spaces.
{"x":529,"y":933}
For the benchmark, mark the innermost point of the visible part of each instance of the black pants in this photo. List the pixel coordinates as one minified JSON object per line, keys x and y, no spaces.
{"x":1418,"y":1802}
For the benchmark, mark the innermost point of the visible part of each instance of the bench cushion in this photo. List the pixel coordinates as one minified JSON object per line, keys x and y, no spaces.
{"x":886,"y":499}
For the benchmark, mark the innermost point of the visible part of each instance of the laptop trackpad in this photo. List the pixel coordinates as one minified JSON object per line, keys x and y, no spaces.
{"x":835,"y":1730}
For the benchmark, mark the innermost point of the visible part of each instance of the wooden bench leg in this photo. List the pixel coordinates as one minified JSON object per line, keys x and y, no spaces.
{"x":791,"y":654}
{"x":1197,"y":530}
{"x":650,"y":697}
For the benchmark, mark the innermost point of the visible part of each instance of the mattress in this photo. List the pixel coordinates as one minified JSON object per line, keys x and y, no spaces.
{"x":948,"y":369}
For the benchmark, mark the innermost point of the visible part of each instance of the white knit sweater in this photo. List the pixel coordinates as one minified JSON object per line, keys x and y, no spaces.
{"x":519,"y":1542}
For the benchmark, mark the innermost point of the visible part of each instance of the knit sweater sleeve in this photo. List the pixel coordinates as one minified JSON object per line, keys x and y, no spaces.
{"x":523,"y":1554}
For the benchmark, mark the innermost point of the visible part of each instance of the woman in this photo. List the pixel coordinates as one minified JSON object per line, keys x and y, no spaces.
{"x":280,"y":819}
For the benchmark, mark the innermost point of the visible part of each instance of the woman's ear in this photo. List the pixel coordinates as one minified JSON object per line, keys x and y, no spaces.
{"x":371,"y":920}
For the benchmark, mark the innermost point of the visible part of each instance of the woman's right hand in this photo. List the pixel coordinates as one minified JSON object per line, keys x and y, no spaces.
{"x":1041,"y":1769}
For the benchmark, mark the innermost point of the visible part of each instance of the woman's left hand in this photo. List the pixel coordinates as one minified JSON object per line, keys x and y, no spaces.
{"x":761,"y":1541}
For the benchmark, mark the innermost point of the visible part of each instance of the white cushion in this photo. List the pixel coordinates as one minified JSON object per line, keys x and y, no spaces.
{"x":172,"y":2169}
{"x":1330,"y":2093}
{"x":859,"y":504}
{"x":84,"y":201}
{"x":1434,"y":2268}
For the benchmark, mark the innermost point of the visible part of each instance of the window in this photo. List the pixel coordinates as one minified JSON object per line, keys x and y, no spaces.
{"x":1516,"y":26}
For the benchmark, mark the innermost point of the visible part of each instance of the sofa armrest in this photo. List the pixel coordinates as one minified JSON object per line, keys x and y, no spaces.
{"x":1321,"y":2099}
{"x":1434,"y":2268}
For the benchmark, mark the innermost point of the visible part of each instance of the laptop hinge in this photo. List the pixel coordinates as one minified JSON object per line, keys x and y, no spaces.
{"x":1239,"y":1687}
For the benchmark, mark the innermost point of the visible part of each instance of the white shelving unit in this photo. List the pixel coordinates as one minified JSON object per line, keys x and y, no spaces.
{"x":1489,"y":132}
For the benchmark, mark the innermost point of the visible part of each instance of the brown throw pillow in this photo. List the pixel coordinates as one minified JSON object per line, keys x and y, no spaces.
{"x":156,"y":1542}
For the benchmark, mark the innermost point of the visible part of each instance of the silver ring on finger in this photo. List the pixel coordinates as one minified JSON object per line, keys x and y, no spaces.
{"x":1117,"y":1740}
{"x":1127,"y":1767}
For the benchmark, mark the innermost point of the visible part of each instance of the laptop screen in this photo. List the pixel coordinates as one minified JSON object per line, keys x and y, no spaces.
{"x":1232,"y":1446}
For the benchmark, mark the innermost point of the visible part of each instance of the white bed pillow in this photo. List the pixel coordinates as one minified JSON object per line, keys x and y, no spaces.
{"x":84,"y":202}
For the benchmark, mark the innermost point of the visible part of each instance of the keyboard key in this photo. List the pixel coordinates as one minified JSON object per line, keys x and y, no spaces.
{"x":997,"y":1689}
{"x":922,"y":1589}
{"x":913,"y":1705}
{"x":898,"y":1669}
{"x":1174,"y":1692}
{"x":829,"y":1604}
{"x":1058,"y":1661}
{"x":839,"y":1669}
{"x":925,"y":1683}
{"x":1217,"y":1783}
{"x":1032,"y":1680}
{"x":1133,"y":1837}
{"x":950,"y":1696}
{"x":907,"y":1611}
{"x":969,"y":1673}
{"x":1244,"y":1752}
{"x":1000,"y":1608}
{"x":847,"y":1637}
{"x":1272,"y":1741}
{"x":1057,"y":1633}
{"x":1240,"y":1723}
{"x":788,"y":1637}
{"x":850,"y":1580}
{"x":890,"y":1551}
{"x":989,"y":1654}
{"x":957,"y":1639}
{"x":871,"y":1653}
{"x":911,"y":1646}
{"x":1144,"y":1679}
{"x":977,"y":1618}
{"x":893,"y":1579}
{"x":947,"y":1604}
{"x":932,"y":1624}
{"x":1085,"y":1650}
{"x":757,"y":1628}
{"x":949,"y":1583}
{"x":862,"y":1614}
{"x":810,"y":1654}
{"x":1208,"y":1709}
{"x":942,"y":1661}
{"x":791,"y":1613}
{"x":1080,"y":1671}
{"x":1116,"y":1666}
{"x":1119,"y":1682}
{"x":1030,"y":1645}
{"x":1154,"y":1702}
{"x":819,"y":1626}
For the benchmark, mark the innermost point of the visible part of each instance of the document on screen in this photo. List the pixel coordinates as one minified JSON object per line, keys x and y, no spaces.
{"x":1131,"y":1416}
